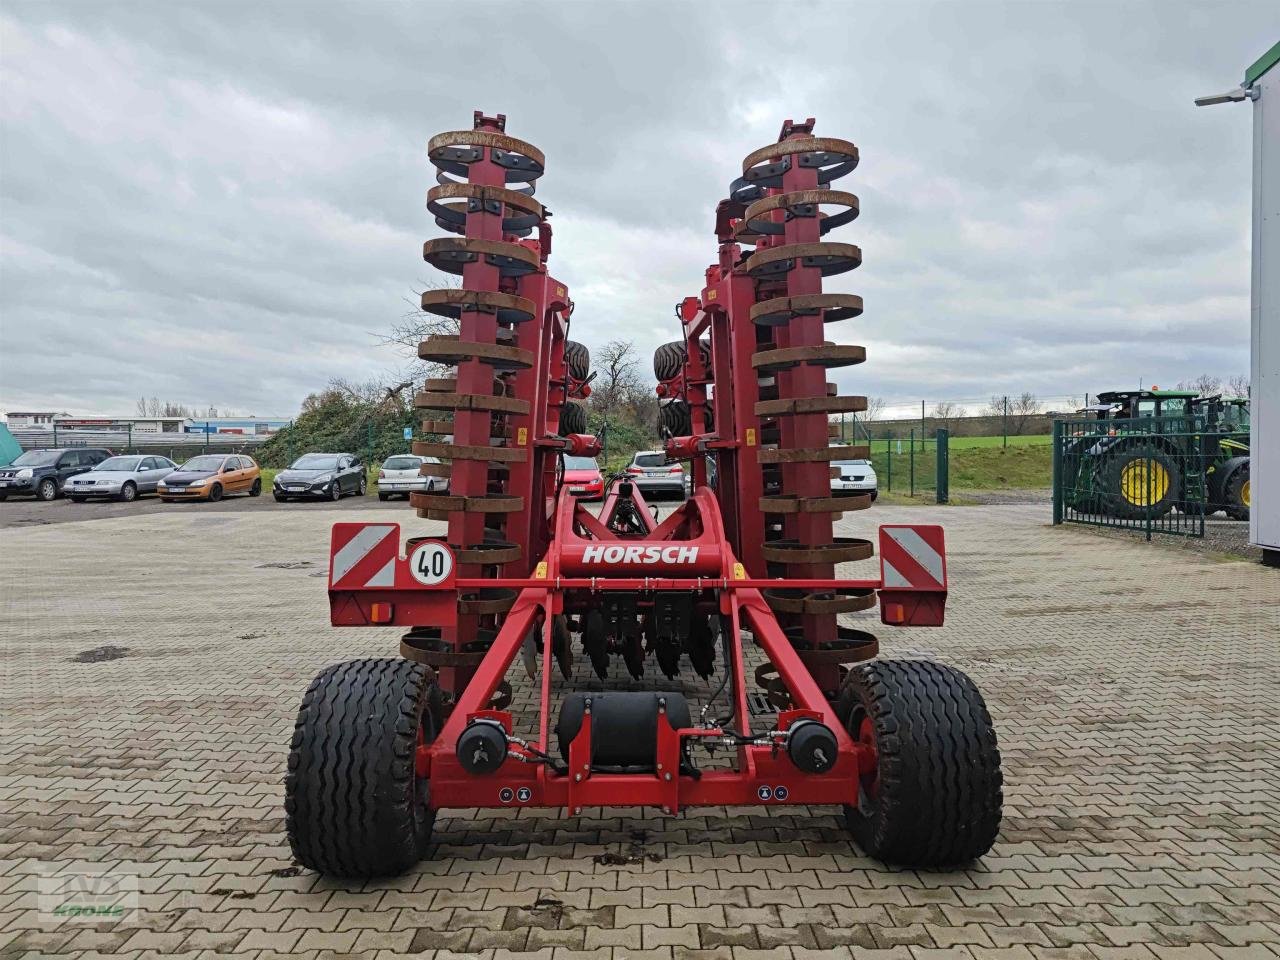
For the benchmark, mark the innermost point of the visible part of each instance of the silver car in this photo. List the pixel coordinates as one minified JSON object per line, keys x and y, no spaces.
{"x":399,"y":476}
{"x":650,"y":471}
{"x":121,"y":478}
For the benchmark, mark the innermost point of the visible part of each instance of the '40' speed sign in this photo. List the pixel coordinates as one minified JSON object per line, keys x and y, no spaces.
{"x":431,"y":563}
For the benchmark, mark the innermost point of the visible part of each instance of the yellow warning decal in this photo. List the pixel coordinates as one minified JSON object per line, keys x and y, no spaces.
{"x":522,"y":436}
{"x":751,"y":436}
{"x":739,"y":572}
{"x":559,"y":291}
{"x":712,"y":294}
{"x":540,"y":572}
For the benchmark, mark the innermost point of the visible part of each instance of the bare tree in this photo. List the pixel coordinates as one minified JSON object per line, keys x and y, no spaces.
{"x":1207,"y":385}
{"x":1021,"y":409}
{"x":1238,"y":386}
{"x":874,"y":411}
{"x":946,"y":411}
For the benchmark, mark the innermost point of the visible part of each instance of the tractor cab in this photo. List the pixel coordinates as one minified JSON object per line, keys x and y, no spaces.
{"x":1133,"y":404}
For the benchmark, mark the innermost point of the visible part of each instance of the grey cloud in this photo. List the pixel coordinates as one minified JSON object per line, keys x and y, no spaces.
{"x":219,"y":202}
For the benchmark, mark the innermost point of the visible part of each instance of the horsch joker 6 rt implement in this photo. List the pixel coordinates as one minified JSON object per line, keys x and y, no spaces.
{"x":906,"y":747}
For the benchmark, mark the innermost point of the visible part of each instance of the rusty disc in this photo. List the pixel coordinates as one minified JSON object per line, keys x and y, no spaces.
{"x":453,"y":303}
{"x":451,"y":254}
{"x":453,"y":451}
{"x":803,"y":405}
{"x":453,"y":150}
{"x":436,"y":470}
{"x":757,"y":221}
{"x":446,"y":348}
{"x":469,"y":401}
{"x":832,"y":157}
{"x":790,"y":503}
{"x":829,"y":257}
{"x":520,"y":212}
{"x":424,"y":645}
{"x":818,"y":454}
{"x":488,"y":600}
{"x":486,"y":503}
{"x":780,"y":311}
{"x":817,"y":355}
{"x":490,"y":553}
{"x":841,"y":550}
{"x":847,"y":600}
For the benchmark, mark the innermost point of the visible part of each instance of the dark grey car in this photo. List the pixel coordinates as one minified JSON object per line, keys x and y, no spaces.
{"x":327,"y":476}
{"x":43,"y":474}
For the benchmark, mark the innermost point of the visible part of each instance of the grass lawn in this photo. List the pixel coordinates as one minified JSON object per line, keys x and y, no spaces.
{"x":1018,"y":467}
{"x":966,"y":443}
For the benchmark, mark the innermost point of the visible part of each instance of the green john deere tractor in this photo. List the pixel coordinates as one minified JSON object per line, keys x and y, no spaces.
{"x":1225,"y":454}
{"x":1145,"y":452}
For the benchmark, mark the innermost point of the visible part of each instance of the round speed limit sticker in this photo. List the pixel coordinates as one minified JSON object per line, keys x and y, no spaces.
{"x":431,"y":563}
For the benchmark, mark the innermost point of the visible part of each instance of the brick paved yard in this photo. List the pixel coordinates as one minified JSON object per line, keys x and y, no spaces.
{"x":1136,"y":693}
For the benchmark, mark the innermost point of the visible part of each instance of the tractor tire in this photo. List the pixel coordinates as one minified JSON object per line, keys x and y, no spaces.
{"x":934,"y":798}
{"x":354,"y":804}
{"x":578,"y":359}
{"x":1236,"y":490}
{"x":674,"y":419}
{"x":1141,"y":483}
{"x":669,"y":359}
{"x":573,"y":418}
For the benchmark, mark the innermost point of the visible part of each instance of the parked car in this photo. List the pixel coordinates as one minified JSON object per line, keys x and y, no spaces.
{"x":43,"y":474}
{"x":856,"y":477}
{"x":121,"y":478}
{"x":399,"y":475}
{"x":650,"y":472}
{"x":321,"y":475}
{"x":583,"y":478}
{"x":211,"y":476}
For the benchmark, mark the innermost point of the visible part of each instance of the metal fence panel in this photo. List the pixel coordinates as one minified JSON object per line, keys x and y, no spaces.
{"x":1147,"y":473}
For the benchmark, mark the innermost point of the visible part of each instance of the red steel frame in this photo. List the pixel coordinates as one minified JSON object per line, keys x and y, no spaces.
{"x":761,"y":769}
{"x":712,"y":547}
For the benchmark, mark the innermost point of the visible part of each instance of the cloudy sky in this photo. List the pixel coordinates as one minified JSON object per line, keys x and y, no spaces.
{"x":223,"y":203}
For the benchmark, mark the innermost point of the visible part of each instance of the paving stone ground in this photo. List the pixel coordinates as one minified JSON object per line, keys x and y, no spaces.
{"x":1136,"y":693}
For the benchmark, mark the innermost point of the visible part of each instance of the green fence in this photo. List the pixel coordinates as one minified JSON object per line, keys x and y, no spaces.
{"x":1146,"y":474}
{"x":912,"y":465}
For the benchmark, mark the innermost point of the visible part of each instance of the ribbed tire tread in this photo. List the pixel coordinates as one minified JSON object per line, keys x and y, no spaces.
{"x":940,"y":798}
{"x":352,"y":808}
{"x":573,"y":418}
{"x":578,"y":359}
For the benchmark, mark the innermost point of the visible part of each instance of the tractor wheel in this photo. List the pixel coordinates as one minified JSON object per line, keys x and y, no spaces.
{"x":355,"y":804}
{"x":578,"y":359}
{"x":573,"y":418}
{"x":674,"y":419}
{"x":669,"y":359}
{"x":1236,"y":491}
{"x":933,"y":798}
{"x":1141,"y":483}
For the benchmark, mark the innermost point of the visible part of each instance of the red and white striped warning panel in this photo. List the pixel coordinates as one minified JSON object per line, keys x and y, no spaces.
{"x":913,"y":557}
{"x":363,"y":555}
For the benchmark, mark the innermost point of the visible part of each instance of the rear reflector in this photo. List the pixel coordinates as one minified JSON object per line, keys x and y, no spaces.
{"x":381,"y":612}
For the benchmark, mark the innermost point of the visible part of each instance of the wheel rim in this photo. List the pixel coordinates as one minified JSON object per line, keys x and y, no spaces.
{"x":48,"y":490}
{"x":334,"y":491}
{"x":1144,"y":482}
{"x":1244,"y":493}
{"x":129,"y":492}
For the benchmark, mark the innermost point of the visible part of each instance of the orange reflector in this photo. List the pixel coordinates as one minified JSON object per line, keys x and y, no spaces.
{"x":894,"y":613}
{"x":381,"y":612}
